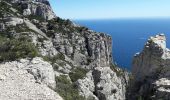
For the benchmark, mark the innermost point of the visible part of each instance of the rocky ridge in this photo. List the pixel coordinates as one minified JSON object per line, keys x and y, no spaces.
{"x":65,"y":60}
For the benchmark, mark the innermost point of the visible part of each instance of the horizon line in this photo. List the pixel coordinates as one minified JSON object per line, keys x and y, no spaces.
{"x":119,"y":18}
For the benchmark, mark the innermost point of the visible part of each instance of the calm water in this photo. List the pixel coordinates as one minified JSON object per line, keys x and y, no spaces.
{"x":129,"y":36}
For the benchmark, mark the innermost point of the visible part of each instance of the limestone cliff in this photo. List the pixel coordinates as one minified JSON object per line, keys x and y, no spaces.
{"x":151,"y":71}
{"x":65,"y":60}
{"x":35,"y":7}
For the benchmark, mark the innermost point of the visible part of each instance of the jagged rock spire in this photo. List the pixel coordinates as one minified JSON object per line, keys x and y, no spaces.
{"x":151,"y":70}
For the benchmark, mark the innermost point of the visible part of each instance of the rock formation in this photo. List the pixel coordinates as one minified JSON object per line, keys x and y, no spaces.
{"x":151,"y":71}
{"x":49,"y":58}
{"x":103,"y":84}
{"x":25,"y":80}
{"x":35,"y":7}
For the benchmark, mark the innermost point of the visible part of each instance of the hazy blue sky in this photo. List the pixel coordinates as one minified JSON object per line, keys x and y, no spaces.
{"x":106,"y":9}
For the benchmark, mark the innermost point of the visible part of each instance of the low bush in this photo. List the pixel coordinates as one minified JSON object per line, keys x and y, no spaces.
{"x":59,"y":56}
{"x":40,"y":18}
{"x":13,"y":49}
{"x":118,"y":72}
{"x":78,"y":73}
{"x":66,"y":89}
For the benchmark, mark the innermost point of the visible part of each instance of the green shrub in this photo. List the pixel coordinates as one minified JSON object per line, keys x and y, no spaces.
{"x":56,"y":20}
{"x":40,"y":18}
{"x":63,"y":79}
{"x":118,"y":72}
{"x":59,"y":56}
{"x":50,"y":33}
{"x":140,"y":98}
{"x":13,"y":49}
{"x":78,"y":73}
{"x":5,"y":9}
{"x":66,"y":89}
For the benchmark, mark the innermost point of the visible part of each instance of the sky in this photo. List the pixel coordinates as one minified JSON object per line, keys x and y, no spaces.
{"x":111,"y":9}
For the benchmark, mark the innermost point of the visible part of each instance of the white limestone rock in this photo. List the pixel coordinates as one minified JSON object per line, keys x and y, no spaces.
{"x":86,"y":86}
{"x":16,"y":83}
{"x":13,"y":21}
{"x":47,"y":48}
{"x":42,"y":71}
{"x":102,"y":84}
{"x":26,"y":12}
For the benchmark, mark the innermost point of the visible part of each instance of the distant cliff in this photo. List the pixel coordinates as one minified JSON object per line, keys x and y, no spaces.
{"x":45,"y":57}
{"x":151,"y":71}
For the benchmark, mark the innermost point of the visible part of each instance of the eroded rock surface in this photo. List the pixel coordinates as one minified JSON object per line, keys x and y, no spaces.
{"x":36,"y":7}
{"x":27,"y":80}
{"x":151,"y":71}
{"x":103,"y":84}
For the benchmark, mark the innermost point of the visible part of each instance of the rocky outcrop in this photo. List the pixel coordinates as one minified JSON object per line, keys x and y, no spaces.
{"x":13,"y":21}
{"x":151,"y":71}
{"x":36,"y":7}
{"x":85,"y":46}
{"x":27,"y":79}
{"x":103,"y":84}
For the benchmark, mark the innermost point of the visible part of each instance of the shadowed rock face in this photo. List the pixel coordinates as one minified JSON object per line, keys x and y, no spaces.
{"x":146,"y":63}
{"x":151,"y":71}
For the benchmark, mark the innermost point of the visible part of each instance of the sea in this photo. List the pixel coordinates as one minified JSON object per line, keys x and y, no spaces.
{"x":128,"y":35}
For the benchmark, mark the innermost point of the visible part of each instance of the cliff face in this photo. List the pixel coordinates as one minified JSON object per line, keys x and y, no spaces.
{"x":54,"y":55}
{"x":35,"y":7}
{"x":151,"y":71}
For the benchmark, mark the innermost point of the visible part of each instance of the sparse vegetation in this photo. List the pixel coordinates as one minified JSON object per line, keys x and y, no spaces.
{"x":140,"y":98}
{"x":67,"y":89}
{"x":39,"y":18}
{"x":115,"y":69}
{"x":59,"y":56}
{"x":5,"y":8}
{"x":12,"y":49}
{"x":62,"y":26}
{"x":78,"y":73}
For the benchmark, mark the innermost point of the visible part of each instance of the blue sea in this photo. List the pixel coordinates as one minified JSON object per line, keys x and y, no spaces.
{"x":128,"y":35}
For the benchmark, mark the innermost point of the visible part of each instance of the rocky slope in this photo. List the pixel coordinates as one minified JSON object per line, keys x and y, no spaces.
{"x":151,"y":71}
{"x":44,"y":52}
{"x":25,"y":79}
